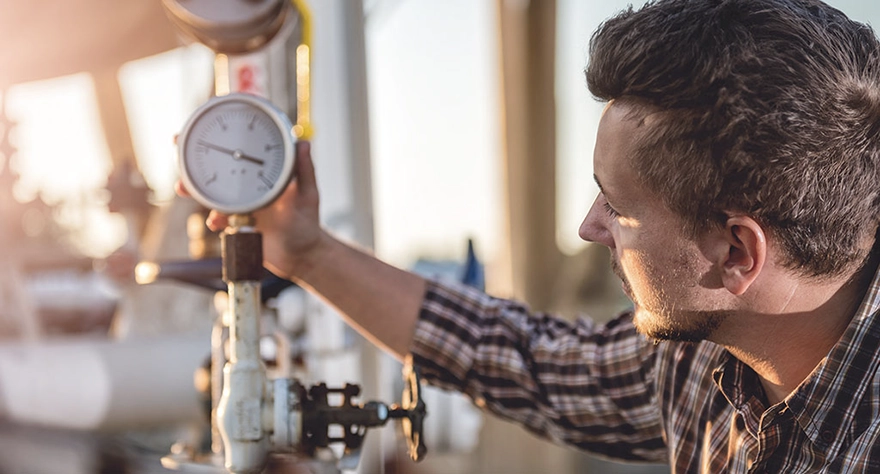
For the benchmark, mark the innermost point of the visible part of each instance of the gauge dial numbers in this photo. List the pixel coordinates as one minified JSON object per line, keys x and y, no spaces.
{"x":236,"y":153}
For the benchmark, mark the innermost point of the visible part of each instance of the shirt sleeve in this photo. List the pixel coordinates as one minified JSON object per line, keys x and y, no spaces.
{"x":580,"y":383}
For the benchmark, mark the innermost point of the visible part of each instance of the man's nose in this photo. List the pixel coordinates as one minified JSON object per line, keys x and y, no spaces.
{"x":594,"y":228}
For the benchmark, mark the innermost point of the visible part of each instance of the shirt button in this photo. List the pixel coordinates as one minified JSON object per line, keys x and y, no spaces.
{"x":827,"y":436}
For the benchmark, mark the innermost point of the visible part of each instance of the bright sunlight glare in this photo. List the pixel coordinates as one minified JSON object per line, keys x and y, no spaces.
{"x":62,"y":158}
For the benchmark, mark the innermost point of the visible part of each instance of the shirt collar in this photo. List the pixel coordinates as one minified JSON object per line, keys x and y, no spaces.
{"x":826,"y":404}
{"x":738,"y":383}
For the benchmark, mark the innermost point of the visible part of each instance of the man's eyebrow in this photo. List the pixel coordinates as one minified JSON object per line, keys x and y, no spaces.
{"x":596,"y":179}
{"x":602,"y":190}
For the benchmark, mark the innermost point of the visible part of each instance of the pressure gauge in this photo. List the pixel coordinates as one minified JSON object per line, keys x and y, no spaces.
{"x":236,"y":153}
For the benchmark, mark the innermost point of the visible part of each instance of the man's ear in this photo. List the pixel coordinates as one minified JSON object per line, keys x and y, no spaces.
{"x":747,"y":252}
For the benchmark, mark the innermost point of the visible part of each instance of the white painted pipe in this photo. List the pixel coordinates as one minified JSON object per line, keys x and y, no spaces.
{"x":240,"y":410}
{"x":96,"y":384}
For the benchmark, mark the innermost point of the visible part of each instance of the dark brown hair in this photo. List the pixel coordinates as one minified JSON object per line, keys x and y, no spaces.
{"x":769,"y":108}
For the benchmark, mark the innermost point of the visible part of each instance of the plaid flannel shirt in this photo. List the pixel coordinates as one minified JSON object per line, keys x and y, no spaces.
{"x":608,"y":390}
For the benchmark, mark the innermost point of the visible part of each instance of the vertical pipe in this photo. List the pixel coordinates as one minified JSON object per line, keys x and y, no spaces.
{"x":222,"y":83}
{"x":244,"y":328}
{"x":240,"y":411}
{"x":218,"y":361}
{"x":528,"y":52}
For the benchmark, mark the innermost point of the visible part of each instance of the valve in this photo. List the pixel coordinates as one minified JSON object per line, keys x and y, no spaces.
{"x":412,"y":411}
{"x":299,"y":421}
{"x":317,"y":415}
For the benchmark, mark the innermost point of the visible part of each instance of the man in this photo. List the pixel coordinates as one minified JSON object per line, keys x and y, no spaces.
{"x":739,"y":163}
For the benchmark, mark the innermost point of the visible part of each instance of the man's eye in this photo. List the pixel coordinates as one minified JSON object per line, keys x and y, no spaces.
{"x":610,"y":210}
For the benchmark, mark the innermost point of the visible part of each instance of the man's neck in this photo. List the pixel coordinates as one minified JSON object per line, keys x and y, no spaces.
{"x":784,"y":346}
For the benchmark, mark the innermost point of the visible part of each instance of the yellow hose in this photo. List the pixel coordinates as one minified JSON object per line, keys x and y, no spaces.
{"x":303,"y":127}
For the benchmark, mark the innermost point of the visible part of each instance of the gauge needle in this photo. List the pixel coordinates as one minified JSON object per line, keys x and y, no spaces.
{"x":237,"y":154}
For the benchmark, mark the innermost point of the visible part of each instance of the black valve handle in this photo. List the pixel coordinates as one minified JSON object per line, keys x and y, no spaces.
{"x":318,"y":414}
{"x":208,"y":273}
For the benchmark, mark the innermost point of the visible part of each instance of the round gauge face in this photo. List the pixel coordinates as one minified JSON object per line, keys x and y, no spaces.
{"x":236,"y":153}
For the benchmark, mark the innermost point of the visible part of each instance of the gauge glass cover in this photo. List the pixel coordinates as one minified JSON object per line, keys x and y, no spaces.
{"x":236,"y":153}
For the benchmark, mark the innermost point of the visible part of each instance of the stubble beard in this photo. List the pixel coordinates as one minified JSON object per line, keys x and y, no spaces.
{"x":660,"y":322}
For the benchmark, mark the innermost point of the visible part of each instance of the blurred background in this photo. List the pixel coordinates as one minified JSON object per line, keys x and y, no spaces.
{"x":452,"y":138}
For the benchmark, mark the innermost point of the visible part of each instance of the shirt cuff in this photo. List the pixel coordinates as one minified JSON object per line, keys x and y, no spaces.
{"x":447,"y":332}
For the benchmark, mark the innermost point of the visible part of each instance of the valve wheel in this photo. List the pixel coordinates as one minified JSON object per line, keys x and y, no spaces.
{"x":411,"y":402}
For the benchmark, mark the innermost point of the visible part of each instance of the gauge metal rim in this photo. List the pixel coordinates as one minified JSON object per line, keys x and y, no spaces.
{"x":279,"y":119}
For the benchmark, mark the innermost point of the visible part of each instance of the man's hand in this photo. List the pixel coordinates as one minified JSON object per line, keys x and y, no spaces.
{"x":290,"y":225}
{"x":380,"y":301}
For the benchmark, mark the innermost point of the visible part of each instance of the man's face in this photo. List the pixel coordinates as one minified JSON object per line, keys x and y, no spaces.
{"x":663,"y":270}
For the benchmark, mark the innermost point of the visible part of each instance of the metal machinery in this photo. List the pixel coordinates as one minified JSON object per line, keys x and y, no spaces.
{"x":259,"y":413}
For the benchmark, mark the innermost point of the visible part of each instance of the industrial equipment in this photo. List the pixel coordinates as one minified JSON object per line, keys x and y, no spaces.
{"x":237,"y":155}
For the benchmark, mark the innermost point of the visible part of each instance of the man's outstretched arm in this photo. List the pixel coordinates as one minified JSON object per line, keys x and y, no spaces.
{"x":378,"y":299}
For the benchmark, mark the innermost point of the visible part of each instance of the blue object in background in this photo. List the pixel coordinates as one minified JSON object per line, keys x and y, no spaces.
{"x":471,"y":272}
{"x":474,"y":274}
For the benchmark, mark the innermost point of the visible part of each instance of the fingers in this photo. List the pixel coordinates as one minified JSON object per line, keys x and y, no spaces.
{"x":216,"y":221}
{"x":305,"y":169}
{"x":305,"y":182}
{"x":180,"y":189}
